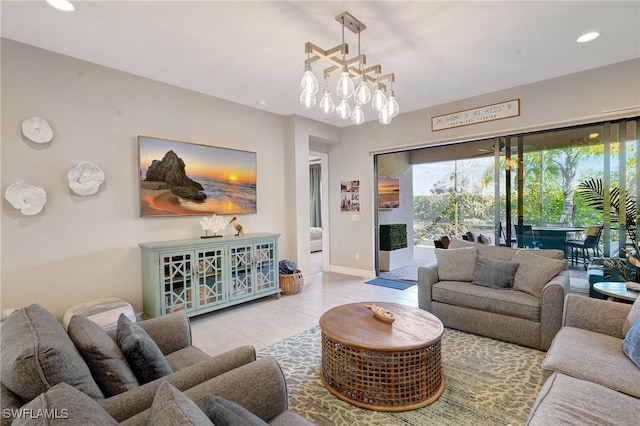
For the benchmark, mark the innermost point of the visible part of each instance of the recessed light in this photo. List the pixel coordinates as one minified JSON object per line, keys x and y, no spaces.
{"x":63,"y":5}
{"x":262,"y":102}
{"x":584,"y":38}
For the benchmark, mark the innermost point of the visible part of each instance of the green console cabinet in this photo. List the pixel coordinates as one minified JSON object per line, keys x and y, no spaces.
{"x":205,"y":274}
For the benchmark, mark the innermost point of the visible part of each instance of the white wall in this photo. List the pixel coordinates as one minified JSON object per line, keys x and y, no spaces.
{"x":590,"y":96}
{"x":82,"y":248}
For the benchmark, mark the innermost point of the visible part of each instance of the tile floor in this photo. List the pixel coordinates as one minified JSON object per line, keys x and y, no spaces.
{"x":265,"y":321}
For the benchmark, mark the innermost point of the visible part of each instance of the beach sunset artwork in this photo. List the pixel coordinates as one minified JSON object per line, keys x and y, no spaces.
{"x":180,"y":178}
{"x":388,"y":192}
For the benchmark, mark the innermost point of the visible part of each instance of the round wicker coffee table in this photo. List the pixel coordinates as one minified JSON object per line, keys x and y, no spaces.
{"x":382,"y":366}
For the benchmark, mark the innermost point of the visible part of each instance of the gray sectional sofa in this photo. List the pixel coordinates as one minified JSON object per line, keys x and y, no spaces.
{"x":42,"y":365}
{"x":588,"y":379}
{"x":499,"y":292}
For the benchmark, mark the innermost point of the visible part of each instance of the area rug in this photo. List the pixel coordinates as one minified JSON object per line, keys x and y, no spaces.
{"x":399,"y":285}
{"x":406,"y":273}
{"x":487,"y":382}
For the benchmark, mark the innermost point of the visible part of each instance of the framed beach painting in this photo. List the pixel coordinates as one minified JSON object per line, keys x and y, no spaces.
{"x":181,"y":178}
{"x":388,"y":192}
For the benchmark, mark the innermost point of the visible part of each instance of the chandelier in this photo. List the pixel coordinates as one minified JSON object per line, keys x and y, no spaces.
{"x":353,"y":84}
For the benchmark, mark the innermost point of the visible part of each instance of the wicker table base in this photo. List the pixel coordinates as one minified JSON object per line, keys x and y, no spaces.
{"x":380,"y":366}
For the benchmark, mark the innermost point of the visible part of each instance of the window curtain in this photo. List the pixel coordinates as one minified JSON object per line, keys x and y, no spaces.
{"x":315,"y":187}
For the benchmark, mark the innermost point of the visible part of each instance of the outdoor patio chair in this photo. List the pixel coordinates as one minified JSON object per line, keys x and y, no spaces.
{"x":591,"y":241}
{"x":503,"y":236}
{"x":528,"y":237}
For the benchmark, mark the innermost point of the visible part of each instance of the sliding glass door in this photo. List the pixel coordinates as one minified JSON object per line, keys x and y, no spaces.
{"x":534,"y":190}
{"x":553,"y":185}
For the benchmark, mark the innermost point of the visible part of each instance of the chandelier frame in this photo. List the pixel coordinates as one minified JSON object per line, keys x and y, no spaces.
{"x":353,"y":72}
{"x":337,"y":56}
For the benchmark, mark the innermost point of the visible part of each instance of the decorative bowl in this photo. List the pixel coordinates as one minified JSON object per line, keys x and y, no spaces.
{"x":382,"y":314}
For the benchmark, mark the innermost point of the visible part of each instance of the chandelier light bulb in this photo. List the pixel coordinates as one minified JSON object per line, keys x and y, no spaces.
{"x":362,"y":94}
{"x":357,"y":116}
{"x":326,"y":103}
{"x":379,"y":101}
{"x":384,"y":117}
{"x":307,"y":99}
{"x":343,"y":110}
{"x":309,"y":82}
{"x":392,"y":105}
{"x":358,"y":83}
{"x":345,"y":86}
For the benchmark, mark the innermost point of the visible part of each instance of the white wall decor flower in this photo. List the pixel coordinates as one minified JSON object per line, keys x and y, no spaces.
{"x":85,"y":178}
{"x":213,"y":224}
{"x":27,"y":198}
{"x":37,"y":129}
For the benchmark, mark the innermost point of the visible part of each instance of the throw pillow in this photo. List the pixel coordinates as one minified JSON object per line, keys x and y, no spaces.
{"x":171,"y":407}
{"x":103,"y":356}
{"x":223,"y":412}
{"x":142,"y":353}
{"x":456,"y":264}
{"x":63,"y":405}
{"x":632,"y":317}
{"x":37,"y":354}
{"x":497,"y":252}
{"x":534,"y":271}
{"x":494,"y":273}
{"x":486,"y":239}
{"x":631,"y":344}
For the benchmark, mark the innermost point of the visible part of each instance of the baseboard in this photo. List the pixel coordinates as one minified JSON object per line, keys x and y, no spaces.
{"x":352,"y":271}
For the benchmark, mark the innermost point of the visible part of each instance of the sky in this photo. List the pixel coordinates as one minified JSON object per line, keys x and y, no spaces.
{"x":201,"y":160}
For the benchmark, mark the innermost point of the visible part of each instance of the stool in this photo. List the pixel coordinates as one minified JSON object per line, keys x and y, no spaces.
{"x":104,"y":312}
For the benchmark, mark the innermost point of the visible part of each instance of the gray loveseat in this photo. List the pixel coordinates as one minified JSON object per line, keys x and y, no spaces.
{"x":588,"y":379}
{"x":526,"y":311}
{"x":38,"y":354}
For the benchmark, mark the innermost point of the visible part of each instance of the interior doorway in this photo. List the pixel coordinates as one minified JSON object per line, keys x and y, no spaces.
{"x":318,"y":208}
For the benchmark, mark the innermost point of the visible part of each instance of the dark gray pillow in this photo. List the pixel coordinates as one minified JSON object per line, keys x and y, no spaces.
{"x":65,"y":405}
{"x":223,"y":412}
{"x":37,"y":354}
{"x":108,"y":365}
{"x":171,"y":407}
{"x":494,"y":273}
{"x":142,"y":353}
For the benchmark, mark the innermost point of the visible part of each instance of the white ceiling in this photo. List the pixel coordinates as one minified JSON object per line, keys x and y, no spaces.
{"x":253,"y":52}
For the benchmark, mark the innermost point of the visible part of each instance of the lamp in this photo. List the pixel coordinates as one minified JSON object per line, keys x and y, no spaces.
{"x":353,"y":84}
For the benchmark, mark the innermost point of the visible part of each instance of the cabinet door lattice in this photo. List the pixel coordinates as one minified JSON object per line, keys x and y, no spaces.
{"x":241,"y":271}
{"x":210,"y":277}
{"x":265,"y":266}
{"x":178,"y":282}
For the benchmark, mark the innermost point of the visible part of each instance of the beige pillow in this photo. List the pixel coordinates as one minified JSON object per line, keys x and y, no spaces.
{"x":548,"y":253}
{"x":456,"y":264}
{"x":634,"y":315}
{"x":497,"y":252}
{"x":534,"y":271}
{"x":457,"y":243}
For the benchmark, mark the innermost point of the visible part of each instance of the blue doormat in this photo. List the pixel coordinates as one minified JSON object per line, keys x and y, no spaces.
{"x":399,"y":285}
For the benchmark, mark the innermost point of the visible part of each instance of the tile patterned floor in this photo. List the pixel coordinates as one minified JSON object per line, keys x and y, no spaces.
{"x":265,"y":321}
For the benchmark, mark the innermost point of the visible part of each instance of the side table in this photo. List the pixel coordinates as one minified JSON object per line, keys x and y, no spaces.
{"x":382,"y":366}
{"x":616,"y":291}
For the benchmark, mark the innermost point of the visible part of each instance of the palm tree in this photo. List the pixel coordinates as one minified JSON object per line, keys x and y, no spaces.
{"x":592,"y":190}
